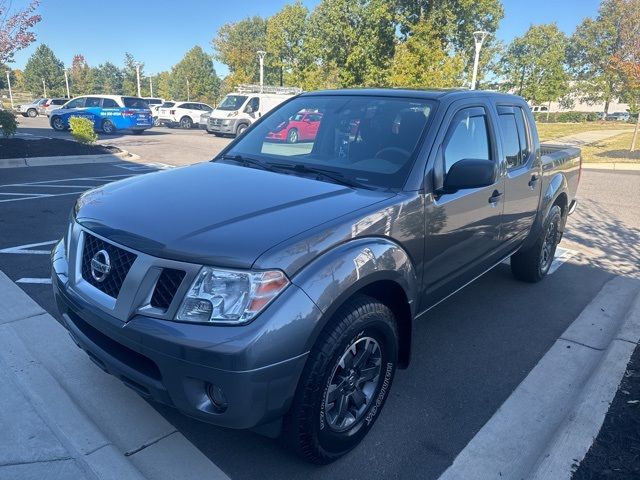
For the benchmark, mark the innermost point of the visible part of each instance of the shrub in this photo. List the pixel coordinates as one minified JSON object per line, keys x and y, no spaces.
{"x":8,"y":123}
{"x":565,"y":117}
{"x":82,"y":130}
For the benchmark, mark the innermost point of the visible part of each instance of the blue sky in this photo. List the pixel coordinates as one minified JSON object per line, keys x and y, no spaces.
{"x":159,"y":32}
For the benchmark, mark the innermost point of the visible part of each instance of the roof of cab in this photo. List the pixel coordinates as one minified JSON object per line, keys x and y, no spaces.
{"x":433,"y":94}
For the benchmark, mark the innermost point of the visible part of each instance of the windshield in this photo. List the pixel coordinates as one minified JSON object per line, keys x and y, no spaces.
{"x":368,"y":140}
{"x":167,"y":104}
{"x":232,"y":102}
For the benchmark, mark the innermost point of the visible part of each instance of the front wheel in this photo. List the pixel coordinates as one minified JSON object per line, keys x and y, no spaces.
{"x":58,"y":125}
{"x":32,"y":112}
{"x":533,"y":264}
{"x":241,"y":129}
{"x":345,"y":382}
{"x":292,"y":136}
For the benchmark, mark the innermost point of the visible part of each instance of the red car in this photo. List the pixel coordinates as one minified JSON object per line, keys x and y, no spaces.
{"x":302,"y":127}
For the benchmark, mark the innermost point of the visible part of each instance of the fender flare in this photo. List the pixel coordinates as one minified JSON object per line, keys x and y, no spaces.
{"x":335,"y":276}
{"x":557,"y":186}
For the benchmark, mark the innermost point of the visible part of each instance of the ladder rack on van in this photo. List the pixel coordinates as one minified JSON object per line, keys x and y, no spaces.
{"x":268,"y":89}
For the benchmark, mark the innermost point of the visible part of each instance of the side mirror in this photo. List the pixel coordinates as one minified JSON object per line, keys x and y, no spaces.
{"x":470,"y":173}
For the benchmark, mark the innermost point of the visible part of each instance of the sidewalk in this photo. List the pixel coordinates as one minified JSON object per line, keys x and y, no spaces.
{"x":63,"y":418}
{"x":550,"y":420}
{"x":586,"y":138}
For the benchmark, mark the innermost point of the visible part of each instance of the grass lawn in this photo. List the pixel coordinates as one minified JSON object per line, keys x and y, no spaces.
{"x":614,"y":149}
{"x":549,"y":131}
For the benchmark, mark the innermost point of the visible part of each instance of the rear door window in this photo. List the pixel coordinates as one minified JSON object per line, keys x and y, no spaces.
{"x":514,"y":136}
{"x":135,"y":102}
{"x":110,"y":103}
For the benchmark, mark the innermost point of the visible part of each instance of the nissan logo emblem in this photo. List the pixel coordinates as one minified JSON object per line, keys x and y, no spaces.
{"x":100,"y":265}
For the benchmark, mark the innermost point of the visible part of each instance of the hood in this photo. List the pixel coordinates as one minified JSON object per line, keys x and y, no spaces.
{"x":214,"y":213}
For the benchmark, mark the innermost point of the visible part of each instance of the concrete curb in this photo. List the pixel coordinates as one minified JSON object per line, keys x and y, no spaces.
{"x":67,"y":160}
{"x":98,"y":427}
{"x":550,"y":420}
{"x":617,"y":166}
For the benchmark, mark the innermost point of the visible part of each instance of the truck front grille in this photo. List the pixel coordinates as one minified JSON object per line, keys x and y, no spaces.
{"x":166,"y":288}
{"x":120,"y":262}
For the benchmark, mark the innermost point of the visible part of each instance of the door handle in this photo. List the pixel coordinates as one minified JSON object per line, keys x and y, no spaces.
{"x":533,"y":182}
{"x":495,"y":198}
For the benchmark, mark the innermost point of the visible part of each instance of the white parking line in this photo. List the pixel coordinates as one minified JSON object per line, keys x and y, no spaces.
{"x":40,"y":281}
{"x":24,"y":249}
{"x":31,"y":197}
{"x":562,"y":255}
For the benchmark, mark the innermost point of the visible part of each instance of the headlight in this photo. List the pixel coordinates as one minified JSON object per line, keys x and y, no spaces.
{"x":230,"y":297}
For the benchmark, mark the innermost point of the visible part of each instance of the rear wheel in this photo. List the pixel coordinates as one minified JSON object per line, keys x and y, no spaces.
{"x":57,"y":124}
{"x":345,"y":382}
{"x":108,"y":127}
{"x":292,"y":136}
{"x":533,"y":264}
{"x":32,"y":112}
{"x":186,"y":123}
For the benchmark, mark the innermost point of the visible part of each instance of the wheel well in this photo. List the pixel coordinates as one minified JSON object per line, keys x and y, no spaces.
{"x":393,"y":296}
{"x":562,"y":202}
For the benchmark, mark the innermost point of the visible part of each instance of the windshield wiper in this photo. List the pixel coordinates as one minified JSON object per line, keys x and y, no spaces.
{"x":248,"y":161}
{"x":331,"y":175}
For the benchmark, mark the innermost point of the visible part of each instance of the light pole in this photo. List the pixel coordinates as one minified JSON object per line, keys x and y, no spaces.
{"x":9,"y":85}
{"x":66,"y":81}
{"x":138,"y":77}
{"x":150,"y":87}
{"x":188,"y":96}
{"x":44,"y":87}
{"x":261,"y":55}
{"x":479,"y":38}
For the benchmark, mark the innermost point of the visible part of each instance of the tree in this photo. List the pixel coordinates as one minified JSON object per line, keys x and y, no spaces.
{"x":43,"y":65}
{"x":592,"y":48}
{"x":285,"y":41}
{"x":197,"y":68}
{"x":236,"y":46}
{"x":626,"y":61}
{"x":161,"y":85}
{"x":130,"y":76}
{"x":108,"y":79}
{"x":534,"y":64}
{"x":81,"y":77}
{"x":15,"y":28}
{"x":422,"y":61}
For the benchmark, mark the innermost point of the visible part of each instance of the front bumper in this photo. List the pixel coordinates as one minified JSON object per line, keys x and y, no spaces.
{"x":226,"y":126}
{"x":175,"y":363}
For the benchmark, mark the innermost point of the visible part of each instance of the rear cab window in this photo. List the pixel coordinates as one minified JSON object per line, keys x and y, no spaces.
{"x":135,"y":102}
{"x":515,"y":139}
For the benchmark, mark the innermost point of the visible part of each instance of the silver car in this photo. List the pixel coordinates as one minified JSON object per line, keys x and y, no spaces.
{"x":31,"y":109}
{"x":51,"y":105}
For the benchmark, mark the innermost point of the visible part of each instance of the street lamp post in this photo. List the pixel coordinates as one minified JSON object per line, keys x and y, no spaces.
{"x":44,"y":87}
{"x":138,"y":77}
{"x":9,"y":85}
{"x":479,"y":38}
{"x":66,"y":81}
{"x":188,"y":95}
{"x":261,"y":55}
{"x":150,"y":86}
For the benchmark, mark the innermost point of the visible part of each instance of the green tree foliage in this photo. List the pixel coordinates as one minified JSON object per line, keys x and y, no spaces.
{"x":129,"y":76}
{"x":592,"y":48}
{"x":423,"y":62}
{"x":161,"y":85}
{"x":44,"y":65}
{"x":534,"y":64}
{"x":285,"y":42}
{"x":108,"y":79}
{"x":80,"y":77}
{"x":197,"y":68}
{"x":236,"y":46}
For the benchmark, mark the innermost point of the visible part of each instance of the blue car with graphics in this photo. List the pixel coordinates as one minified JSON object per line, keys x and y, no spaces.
{"x":108,"y":113}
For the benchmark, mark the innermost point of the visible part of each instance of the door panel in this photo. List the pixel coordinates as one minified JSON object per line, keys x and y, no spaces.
{"x":462,"y":236}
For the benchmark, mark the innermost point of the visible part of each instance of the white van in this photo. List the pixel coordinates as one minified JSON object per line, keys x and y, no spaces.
{"x":240,"y":109}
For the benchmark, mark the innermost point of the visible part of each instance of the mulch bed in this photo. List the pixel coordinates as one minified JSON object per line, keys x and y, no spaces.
{"x":48,"y":147}
{"x":615,"y":454}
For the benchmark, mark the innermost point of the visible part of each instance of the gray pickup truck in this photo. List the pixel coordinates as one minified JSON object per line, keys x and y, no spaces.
{"x":276,"y":287}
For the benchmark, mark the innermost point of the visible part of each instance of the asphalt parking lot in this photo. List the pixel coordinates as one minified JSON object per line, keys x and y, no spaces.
{"x":171,"y":146}
{"x":469,"y":355}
